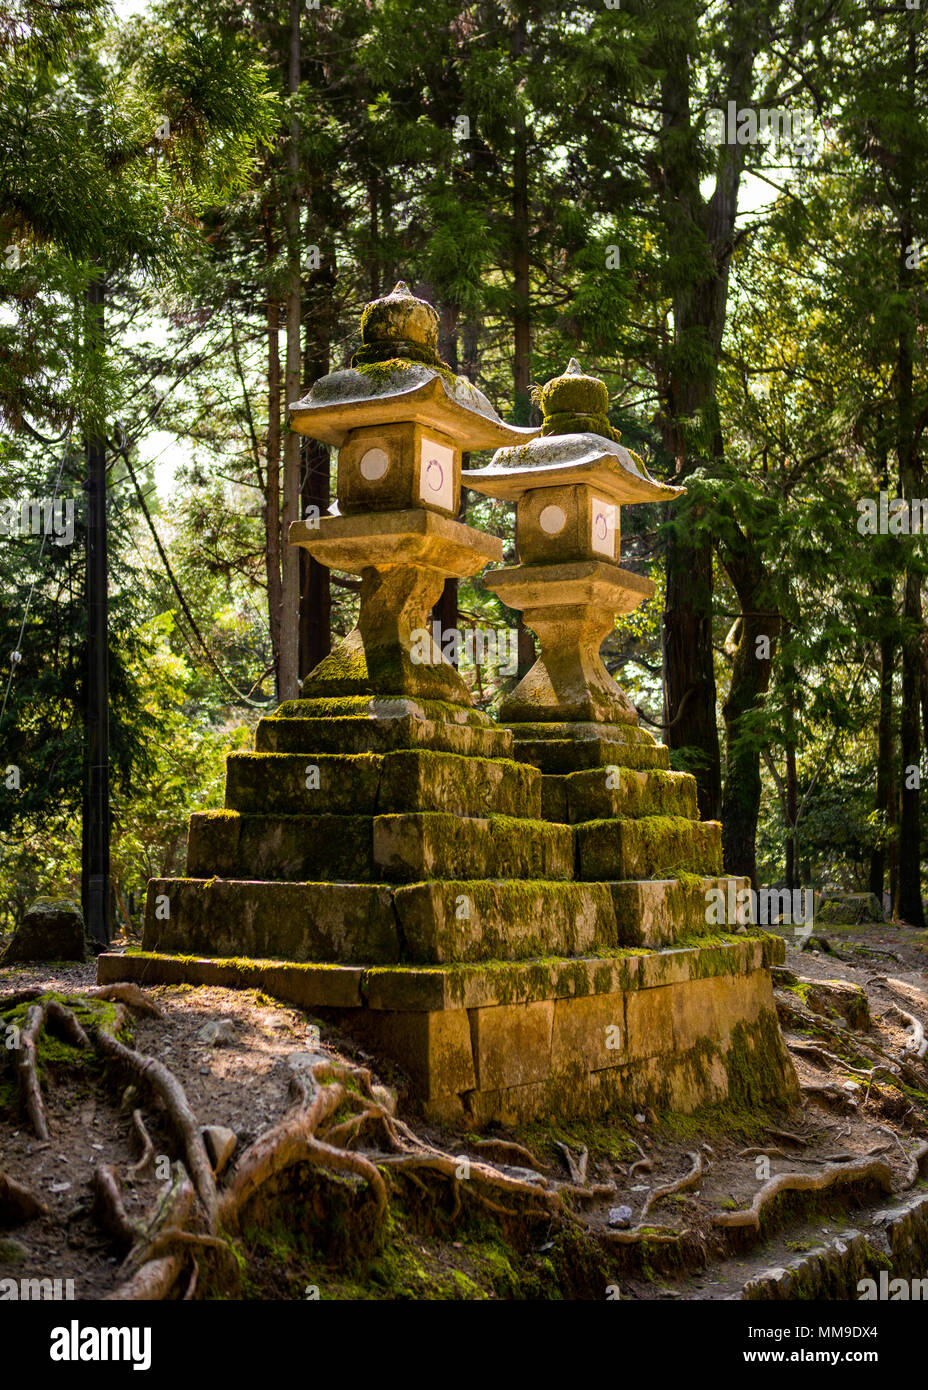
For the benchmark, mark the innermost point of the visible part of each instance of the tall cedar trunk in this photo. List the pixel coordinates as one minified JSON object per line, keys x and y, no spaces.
{"x":374,"y":236}
{"x":882,"y":591}
{"x":910,"y":906}
{"x":750,"y":680}
{"x":521,"y":294}
{"x":272,"y":495}
{"x":688,"y":399}
{"x":95,"y":818}
{"x":315,"y":491}
{"x":793,"y":877}
{"x":290,"y":568}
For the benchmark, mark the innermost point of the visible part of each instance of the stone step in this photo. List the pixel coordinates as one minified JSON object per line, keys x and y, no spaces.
{"x":380,"y":783}
{"x":515,"y":1041}
{"x":468,"y":985}
{"x":326,"y":848}
{"x":370,"y":734}
{"x":657,"y":912}
{"x":348,"y":922}
{"x":476,"y":919}
{"x":612,"y":790}
{"x":652,"y":847}
{"x":428,"y":923}
{"x":423,"y":845}
{"x":563,"y":755}
{"x":362,"y":849}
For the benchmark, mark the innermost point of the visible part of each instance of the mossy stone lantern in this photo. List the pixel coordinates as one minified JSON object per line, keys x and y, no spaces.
{"x":568,"y":487}
{"x":400,"y":419}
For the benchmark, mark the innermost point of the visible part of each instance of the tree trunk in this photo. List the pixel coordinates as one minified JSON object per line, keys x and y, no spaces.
{"x":272,"y":495}
{"x":95,"y":821}
{"x":910,"y":905}
{"x":750,"y":680}
{"x":290,"y":569}
{"x":793,"y":878}
{"x":521,"y":290}
{"x":885,"y":790}
{"x":315,"y":491}
{"x":688,"y":405}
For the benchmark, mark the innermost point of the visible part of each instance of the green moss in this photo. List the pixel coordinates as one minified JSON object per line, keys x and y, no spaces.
{"x":759,"y":1071}
{"x":379,"y":369}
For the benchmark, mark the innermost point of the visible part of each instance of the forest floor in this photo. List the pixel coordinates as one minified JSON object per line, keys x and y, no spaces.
{"x":850,"y":1011}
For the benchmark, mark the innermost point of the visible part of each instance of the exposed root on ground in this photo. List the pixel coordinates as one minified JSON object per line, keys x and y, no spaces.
{"x":29,"y":1092}
{"x":691,"y":1179}
{"x":834,"y":1175}
{"x":18,"y":1203}
{"x":339,"y":1122}
{"x":189,"y":1242}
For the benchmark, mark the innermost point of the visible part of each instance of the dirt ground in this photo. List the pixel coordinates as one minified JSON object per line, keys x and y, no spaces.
{"x":242,"y":1082}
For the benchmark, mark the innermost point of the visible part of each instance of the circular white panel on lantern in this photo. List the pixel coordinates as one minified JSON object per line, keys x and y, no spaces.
{"x":374,"y":464}
{"x":605,"y":522}
{"x":552,"y":519}
{"x":436,"y":474}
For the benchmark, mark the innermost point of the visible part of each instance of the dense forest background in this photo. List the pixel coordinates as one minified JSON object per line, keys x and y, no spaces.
{"x":197,"y":201}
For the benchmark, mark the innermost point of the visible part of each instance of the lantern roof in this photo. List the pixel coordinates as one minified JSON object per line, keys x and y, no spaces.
{"x":397,"y":375}
{"x":578,"y":445}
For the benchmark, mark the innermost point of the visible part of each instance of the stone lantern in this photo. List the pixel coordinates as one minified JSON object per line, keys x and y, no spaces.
{"x":568,"y":487}
{"x":400,"y":419}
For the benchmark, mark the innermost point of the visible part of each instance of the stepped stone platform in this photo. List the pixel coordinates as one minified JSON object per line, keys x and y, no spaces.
{"x":524,"y":932}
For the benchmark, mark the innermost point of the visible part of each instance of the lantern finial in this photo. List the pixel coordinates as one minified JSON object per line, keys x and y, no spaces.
{"x":576,"y":403}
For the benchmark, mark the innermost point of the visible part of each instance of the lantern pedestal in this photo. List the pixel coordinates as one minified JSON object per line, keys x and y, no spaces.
{"x":571,"y":608}
{"x":403,"y":559}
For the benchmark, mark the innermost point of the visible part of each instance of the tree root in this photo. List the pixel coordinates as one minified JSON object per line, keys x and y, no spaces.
{"x":171,"y":1210}
{"x":640,"y":1235}
{"x":292,"y":1141}
{"x":788,"y":1137}
{"x":917,"y":1043}
{"x":868,"y":1170}
{"x":156,"y":1077}
{"x":20,"y":996}
{"x":506,"y":1152}
{"x":691,"y":1179}
{"x":18,"y":1203}
{"x":29,"y":1091}
{"x":153,"y":1281}
{"x":128,"y":994}
{"x":917,"y":1162}
{"x":66,"y":1024}
{"x":576,"y":1167}
{"x":108,"y":1210}
{"x":143,"y":1167}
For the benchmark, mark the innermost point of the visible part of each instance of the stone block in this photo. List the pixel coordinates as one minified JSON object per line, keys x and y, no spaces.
{"x":589,"y":1033}
{"x":331,"y":848}
{"x":653,"y":847}
{"x":613,"y":790}
{"x":299,"y":784}
{"x":554,"y":798}
{"x":420,"y":845}
{"x":482,"y":920}
{"x":649,"y":1018}
{"x":51,"y":929}
{"x":512,"y":1043}
{"x":710,"y":1008}
{"x":370,"y":733}
{"x":343,"y":922}
{"x":425,"y":781}
{"x":309,"y":986}
{"x":654,"y":912}
{"x":433,"y":1048}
